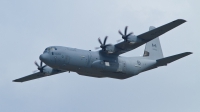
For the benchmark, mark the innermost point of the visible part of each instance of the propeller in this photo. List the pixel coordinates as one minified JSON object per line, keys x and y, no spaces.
{"x":103,"y":45}
{"x":125,"y":35}
{"x":40,"y":67}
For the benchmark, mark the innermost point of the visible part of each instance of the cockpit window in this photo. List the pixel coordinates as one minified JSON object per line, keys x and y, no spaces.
{"x":50,"y":49}
{"x":46,"y":50}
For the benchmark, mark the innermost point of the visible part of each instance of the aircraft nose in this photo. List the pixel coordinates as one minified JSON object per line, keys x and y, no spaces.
{"x":42,"y":57}
{"x":46,"y":58}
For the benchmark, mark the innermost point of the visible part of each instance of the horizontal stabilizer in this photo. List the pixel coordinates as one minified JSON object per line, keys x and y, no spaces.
{"x":165,"y":61}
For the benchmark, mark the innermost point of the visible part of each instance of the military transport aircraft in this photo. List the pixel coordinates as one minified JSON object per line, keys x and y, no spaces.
{"x":107,"y":62}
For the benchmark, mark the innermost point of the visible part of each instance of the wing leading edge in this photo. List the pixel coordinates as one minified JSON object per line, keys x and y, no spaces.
{"x":123,"y":47}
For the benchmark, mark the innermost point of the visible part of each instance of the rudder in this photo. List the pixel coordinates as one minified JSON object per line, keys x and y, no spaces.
{"x":153,"y":48}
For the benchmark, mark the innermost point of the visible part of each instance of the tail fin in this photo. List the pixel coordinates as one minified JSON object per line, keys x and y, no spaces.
{"x":153,"y":48}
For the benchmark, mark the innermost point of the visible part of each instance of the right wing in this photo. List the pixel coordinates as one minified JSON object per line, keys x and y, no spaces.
{"x":123,"y":47}
{"x":150,"y":35}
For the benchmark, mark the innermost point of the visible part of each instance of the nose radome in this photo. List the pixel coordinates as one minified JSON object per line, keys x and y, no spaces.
{"x":46,"y":58}
{"x":42,"y":57}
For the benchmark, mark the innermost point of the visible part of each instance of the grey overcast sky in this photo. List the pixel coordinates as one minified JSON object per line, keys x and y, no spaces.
{"x":27,"y":27}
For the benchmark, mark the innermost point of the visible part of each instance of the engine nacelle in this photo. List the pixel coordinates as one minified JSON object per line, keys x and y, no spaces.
{"x":134,"y":39}
{"x":50,"y":71}
{"x":110,"y":48}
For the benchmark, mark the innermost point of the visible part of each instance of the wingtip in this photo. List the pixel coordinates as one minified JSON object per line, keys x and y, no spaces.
{"x":188,"y":53}
{"x":181,"y":20}
{"x":16,"y":80}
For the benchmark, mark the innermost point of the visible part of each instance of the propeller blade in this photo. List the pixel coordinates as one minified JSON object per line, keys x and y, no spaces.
{"x":40,"y":68}
{"x":36,"y":64}
{"x":108,"y":45}
{"x":96,"y":48}
{"x":129,"y":34}
{"x":125,"y":31}
{"x":125,"y":35}
{"x":44,"y":66}
{"x":35,"y":71}
{"x":40,"y":63}
{"x":120,"y":33}
{"x":105,"y":40}
{"x":103,"y":45}
{"x":119,"y":40}
{"x":99,"y":41}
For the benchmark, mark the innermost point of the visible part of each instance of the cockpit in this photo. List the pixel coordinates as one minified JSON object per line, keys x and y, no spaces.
{"x":50,"y":49}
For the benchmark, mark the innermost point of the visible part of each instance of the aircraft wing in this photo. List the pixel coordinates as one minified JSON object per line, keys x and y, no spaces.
{"x":34,"y":76}
{"x":123,"y":47}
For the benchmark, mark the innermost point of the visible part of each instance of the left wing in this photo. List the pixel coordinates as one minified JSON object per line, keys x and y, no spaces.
{"x":37,"y":75}
{"x":123,"y":47}
{"x":30,"y":77}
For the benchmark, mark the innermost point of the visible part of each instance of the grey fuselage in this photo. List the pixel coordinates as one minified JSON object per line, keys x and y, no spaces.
{"x":107,"y":62}
{"x":95,"y":63}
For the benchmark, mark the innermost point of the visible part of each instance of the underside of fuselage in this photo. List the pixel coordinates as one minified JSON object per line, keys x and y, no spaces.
{"x":103,"y":74}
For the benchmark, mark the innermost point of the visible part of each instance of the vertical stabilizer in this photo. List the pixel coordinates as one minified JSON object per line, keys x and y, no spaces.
{"x":153,"y":48}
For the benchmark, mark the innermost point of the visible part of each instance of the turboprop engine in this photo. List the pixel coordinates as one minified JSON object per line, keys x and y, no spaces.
{"x":129,"y":37}
{"x":46,"y":70}
{"x":133,"y":39}
{"x":109,"y":48}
